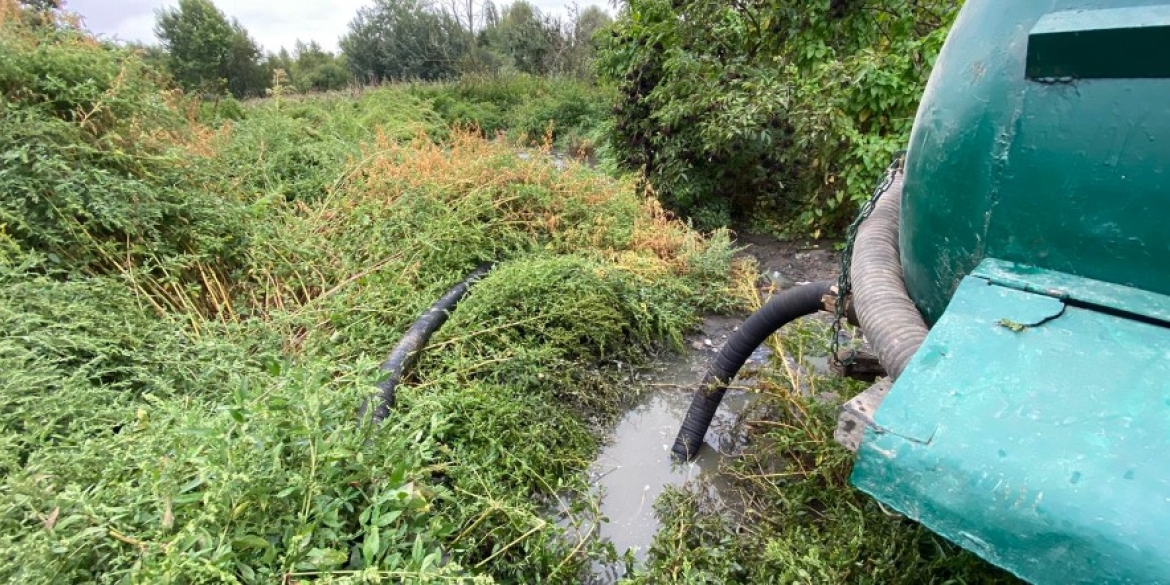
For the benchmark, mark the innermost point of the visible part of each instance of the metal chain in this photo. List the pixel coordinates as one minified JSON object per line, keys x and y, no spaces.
{"x":845,"y":280}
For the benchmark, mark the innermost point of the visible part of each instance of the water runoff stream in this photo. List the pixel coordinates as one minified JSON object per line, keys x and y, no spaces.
{"x":635,"y":467}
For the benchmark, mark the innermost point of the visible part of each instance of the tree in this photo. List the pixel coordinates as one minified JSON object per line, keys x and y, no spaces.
{"x":281,"y":59}
{"x":154,"y":56}
{"x":588,"y":22}
{"x":38,"y":13}
{"x":580,"y":48}
{"x":491,"y":16}
{"x":467,"y":15}
{"x":403,"y":39}
{"x":209,"y":54}
{"x":315,"y":69}
{"x":777,"y":111}
{"x":526,"y":37}
{"x":245,"y":74}
{"x":40,"y":5}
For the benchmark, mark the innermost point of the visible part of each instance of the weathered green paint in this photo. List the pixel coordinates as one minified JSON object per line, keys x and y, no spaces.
{"x":1081,"y":291}
{"x":1042,"y":448}
{"x":1066,"y":176}
{"x":1114,"y":43}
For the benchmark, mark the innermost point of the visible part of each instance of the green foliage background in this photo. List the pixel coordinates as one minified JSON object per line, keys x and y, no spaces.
{"x":782,"y":112}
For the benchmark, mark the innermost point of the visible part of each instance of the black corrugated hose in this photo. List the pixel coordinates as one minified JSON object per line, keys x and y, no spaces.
{"x":887,"y":315}
{"x":785,"y":307}
{"x":404,"y":354}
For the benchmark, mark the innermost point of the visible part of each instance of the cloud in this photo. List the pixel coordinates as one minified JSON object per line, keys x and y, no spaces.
{"x":273,"y":23}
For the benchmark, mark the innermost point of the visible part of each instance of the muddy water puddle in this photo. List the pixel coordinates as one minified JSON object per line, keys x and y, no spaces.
{"x":635,"y":466}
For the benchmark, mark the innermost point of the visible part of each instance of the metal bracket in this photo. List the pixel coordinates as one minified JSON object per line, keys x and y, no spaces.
{"x":857,"y":414}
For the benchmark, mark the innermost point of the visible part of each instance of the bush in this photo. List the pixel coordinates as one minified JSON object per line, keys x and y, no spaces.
{"x":529,"y":109}
{"x":298,"y":148}
{"x":97,"y":160}
{"x":781,"y":108}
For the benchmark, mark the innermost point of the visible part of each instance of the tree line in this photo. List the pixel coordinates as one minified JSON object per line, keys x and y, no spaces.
{"x":391,"y":40}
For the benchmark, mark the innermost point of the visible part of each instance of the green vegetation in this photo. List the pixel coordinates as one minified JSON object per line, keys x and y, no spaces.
{"x":309,"y":68}
{"x":93,"y":176}
{"x":532,"y":110}
{"x":400,"y":40}
{"x":781,"y":112}
{"x":193,"y":313}
{"x":776,"y":115}
{"x":403,"y":39}
{"x":392,"y":40}
{"x":208,"y":54}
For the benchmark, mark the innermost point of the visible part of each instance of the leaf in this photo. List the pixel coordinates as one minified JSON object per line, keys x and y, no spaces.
{"x":246,"y":572}
{"x":328,"y":558}
{"x":388,"y":518}
{"x":198,"y":481}
{"x":371,"y":546}
{"x":250,"y":541}
{"x":417,"y":552}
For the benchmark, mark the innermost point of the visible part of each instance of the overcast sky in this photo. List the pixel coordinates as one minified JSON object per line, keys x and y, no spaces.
{"x":273,"y":23}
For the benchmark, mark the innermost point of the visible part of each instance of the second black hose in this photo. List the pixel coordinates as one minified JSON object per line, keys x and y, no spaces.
{"x":785,"y":307}
{"x":404,"y":354}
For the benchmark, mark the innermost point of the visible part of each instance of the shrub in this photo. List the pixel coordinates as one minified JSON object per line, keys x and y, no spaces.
{"x":96,"y":166}
{"x":299,"y":148}
{"x":529,"y":109}
{"x":783,"y":108}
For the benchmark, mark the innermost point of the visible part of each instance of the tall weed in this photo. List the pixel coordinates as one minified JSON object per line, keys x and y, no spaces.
{"x":94,"y":167}
{"x":193,"y":310}
{"x":528,"y":109}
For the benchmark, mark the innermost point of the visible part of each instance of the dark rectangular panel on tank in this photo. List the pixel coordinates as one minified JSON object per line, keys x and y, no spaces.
{"x":1113,"y":43}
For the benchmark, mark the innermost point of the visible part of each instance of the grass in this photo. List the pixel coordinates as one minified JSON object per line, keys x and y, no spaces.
{"x":798,"y":519}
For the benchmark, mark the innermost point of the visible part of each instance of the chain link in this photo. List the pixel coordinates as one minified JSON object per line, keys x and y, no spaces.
{"x":845,"y":280}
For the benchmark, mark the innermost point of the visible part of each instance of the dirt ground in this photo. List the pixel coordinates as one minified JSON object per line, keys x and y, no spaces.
{"x":781,"y":263}
{"x":796,"y":260}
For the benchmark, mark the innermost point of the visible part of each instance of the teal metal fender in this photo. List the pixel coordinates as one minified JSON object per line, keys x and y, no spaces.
{"x":1033,"y":428}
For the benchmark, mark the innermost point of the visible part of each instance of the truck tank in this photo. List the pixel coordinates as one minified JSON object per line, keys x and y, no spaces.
{"x":1031,"y":424}
{"x":1042,"y":138}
